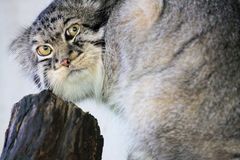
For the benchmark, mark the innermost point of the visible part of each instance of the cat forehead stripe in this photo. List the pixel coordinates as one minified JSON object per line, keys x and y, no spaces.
{"x":68,"y":19}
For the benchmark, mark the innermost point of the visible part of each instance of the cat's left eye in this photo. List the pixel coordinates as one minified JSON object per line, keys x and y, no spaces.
{"x":44,"y":50}
{"x":72,"y":31}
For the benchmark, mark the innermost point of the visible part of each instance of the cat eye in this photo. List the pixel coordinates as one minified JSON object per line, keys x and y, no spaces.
{"x":44,"y":50}
{"x":73,"y":30}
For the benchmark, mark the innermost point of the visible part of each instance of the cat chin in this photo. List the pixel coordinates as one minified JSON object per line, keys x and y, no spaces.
{"x":73,"y":92}
{"x":72,"y":86}
{"x":76,"y":85}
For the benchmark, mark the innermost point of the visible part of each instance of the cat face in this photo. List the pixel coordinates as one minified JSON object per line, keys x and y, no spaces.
{"x":63,"y":47}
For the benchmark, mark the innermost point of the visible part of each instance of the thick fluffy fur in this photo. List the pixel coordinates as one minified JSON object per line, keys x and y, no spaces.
{"x":177,"y":67}
{"x":172,"y":67}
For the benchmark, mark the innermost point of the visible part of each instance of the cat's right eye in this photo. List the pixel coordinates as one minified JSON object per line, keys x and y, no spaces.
{"x":72,"y":31}
{"x":44,"y":50}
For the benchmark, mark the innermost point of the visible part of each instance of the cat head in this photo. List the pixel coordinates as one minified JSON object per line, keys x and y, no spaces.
{"x":62,"y":49}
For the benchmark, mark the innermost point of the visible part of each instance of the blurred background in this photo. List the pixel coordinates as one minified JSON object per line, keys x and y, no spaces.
{"x":14,"y":16}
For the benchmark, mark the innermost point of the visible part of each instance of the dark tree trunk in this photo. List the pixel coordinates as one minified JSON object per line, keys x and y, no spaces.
{"x":44,"y":127}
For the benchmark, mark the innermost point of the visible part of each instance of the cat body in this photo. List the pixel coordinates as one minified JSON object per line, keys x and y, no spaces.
{"x":179,"y":73}
{"x":170,"y":68}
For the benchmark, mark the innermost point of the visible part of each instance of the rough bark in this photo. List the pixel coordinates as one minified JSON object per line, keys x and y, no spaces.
{"x":44,"y":127}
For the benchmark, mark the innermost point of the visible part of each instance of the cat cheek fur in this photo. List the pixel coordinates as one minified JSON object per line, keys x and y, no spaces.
{"x":21,"y":50}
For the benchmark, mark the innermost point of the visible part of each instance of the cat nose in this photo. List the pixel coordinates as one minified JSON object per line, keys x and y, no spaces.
{"x":65,"y":62}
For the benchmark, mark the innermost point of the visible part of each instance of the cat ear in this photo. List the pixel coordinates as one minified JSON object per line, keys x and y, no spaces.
{"x":20,"y":49}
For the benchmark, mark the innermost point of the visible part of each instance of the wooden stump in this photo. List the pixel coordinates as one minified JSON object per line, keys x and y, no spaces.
{"x":44,"y":127}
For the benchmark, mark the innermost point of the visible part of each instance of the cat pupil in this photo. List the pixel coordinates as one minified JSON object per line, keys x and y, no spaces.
{"x":74,"y":29}
{"x":45,"y":48}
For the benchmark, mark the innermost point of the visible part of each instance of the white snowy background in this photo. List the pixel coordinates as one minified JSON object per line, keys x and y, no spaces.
{"x":14,"y":16}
